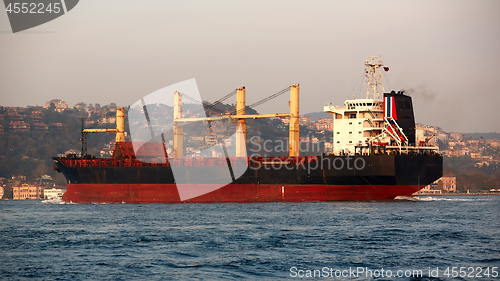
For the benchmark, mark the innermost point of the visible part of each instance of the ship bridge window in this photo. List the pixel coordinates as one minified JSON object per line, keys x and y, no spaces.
{"x":350,"y":123}
{"x":352,"y":115}
{"x":369,"y":104}
{"x":364,"y":104}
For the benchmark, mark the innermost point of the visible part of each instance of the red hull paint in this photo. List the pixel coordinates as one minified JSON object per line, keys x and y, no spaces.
{"x":240,"y":193}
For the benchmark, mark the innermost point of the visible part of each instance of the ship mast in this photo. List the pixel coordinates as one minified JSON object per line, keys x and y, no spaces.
{"x":374,"y":75}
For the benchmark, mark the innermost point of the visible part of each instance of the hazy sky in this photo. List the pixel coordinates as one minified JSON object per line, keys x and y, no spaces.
{"x":103,"y":51}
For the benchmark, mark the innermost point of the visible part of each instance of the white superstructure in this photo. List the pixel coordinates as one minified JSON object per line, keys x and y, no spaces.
{"x":379,"y":123}
{"x":360,"y":120}
{"x":355,"y":123}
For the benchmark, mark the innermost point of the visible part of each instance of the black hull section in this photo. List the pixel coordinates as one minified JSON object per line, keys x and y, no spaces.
{"x":414,"y":170}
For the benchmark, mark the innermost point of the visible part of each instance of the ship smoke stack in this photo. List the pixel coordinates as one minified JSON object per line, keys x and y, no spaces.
{"x":400,"y":107}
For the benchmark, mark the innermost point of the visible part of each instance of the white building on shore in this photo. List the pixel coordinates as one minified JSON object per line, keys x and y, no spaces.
{"x":52,"y":193}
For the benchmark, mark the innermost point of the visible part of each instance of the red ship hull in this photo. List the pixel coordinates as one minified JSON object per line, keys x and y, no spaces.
{"x":239,"y":193}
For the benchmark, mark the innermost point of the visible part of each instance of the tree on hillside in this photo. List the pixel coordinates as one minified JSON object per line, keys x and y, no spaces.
{"x":52,"y":107}
{"x":81,"y":106}
{"x":40,"y":170}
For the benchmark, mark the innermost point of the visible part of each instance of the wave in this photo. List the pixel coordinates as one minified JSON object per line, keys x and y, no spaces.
{"x":57,"y":200}
{"x":430,"y":198}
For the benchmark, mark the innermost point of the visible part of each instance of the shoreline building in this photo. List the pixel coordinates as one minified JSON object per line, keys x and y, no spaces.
{"x":52,"y":193}
{"x":26,"y":191}
{"x":441,"y":186}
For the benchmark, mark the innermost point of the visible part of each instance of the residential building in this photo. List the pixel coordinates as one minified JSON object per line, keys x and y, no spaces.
{"x":27,"y":191}
{"x":305,"y":120}
{"x":429,"y":189}
{"x":107,"y":120}
{"x":449,"y":184}
{"x":442,"y":185}
{"x":36,"y":118}
{"x":39,"y":127}
{"x":431,"y":130}
{"x":475,"y":154}
{"x":323,"y":126}
{"x":495,"y":143}
{"x":442,"y":136}
{"x":59,"y":126}
{"x":219,"y":127}
{"x":36,"y":110}
{"x":457,"y":136}
{"x":95,"y":111}
{"x":52,"y":193}
{"x":45,"y":181}
{"x":19,"y":126}
{"x":16,"y":180}
{"x":14,"y":116}
{"x":325,"y":120}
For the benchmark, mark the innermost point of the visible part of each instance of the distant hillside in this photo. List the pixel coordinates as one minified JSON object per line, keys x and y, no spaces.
{"x":316,"y":115}
{"x":487,"y":136}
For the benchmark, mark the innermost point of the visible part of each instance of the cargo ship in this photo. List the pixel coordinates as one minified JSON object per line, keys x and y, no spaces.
{"x":376,"y":154}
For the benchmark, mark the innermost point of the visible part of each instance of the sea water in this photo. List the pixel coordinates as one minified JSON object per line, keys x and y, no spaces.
{"x":428,"y":238}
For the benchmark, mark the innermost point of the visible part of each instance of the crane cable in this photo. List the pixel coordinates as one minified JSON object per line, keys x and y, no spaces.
{"x":269,"y":98}
{"x":211,"y":106}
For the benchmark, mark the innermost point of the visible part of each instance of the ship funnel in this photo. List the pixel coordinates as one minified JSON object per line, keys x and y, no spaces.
{"x":399,"y":107}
